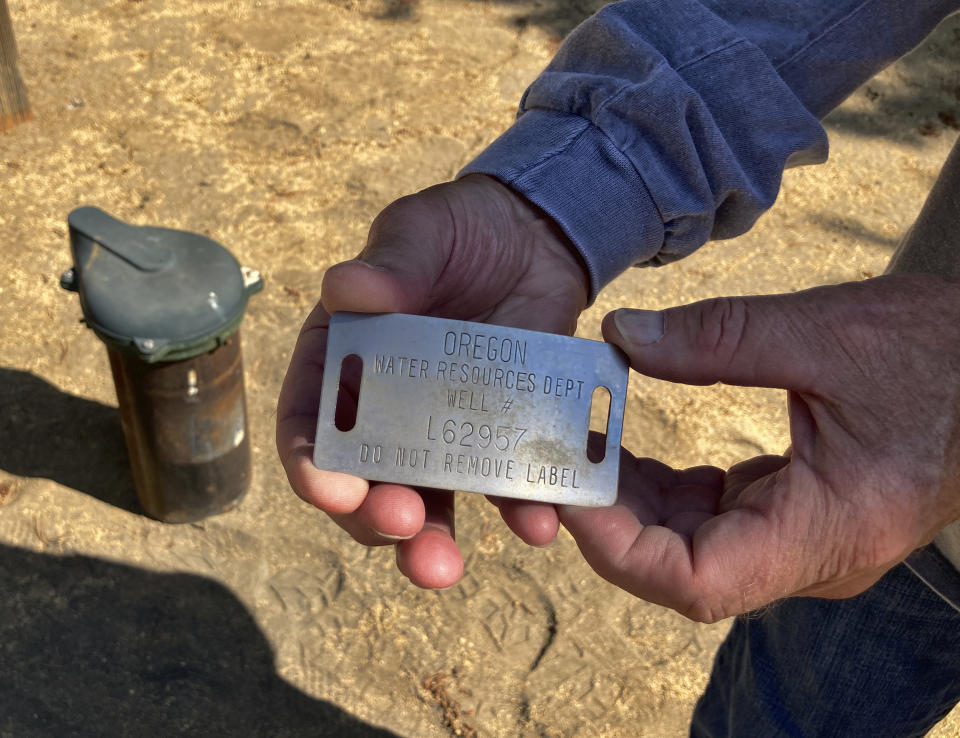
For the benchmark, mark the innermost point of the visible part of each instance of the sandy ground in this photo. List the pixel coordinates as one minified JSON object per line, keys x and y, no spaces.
{"x":280,"y":129}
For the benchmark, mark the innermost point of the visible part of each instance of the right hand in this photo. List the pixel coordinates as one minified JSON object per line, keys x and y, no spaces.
{"x":470,"y":250}
{"x":874,"y":467}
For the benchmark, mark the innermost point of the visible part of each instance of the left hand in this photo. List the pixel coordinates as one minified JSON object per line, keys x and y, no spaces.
{"x":873,"y":375}
{"x":471,"y":250}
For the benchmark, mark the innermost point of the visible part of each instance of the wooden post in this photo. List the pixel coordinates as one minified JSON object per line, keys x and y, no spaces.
{"x":14,"y":107}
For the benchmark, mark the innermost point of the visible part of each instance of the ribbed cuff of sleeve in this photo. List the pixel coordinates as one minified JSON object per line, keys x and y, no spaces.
{"x":568,"y":167}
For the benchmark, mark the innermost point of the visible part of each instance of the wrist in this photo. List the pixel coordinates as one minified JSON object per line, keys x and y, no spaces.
{"x":572,"y":170}
{"x":543,"y":228}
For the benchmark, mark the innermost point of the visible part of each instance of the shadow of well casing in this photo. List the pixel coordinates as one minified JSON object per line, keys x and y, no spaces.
{"x":168,"y":304}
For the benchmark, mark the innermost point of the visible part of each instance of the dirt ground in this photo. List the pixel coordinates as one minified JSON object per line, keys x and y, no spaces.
{"x":280,"y":129}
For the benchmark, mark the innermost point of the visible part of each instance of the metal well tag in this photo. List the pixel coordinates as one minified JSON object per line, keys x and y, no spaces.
{"x":481,"y":408}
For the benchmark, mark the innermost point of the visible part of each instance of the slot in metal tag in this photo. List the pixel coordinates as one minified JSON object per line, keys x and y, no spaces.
{"x":474,"y":407}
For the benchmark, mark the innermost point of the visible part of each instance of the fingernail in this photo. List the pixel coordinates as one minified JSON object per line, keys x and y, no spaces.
{"x":375,"y":267}
{"x":639,"y":326}
{"x":391,"y":537}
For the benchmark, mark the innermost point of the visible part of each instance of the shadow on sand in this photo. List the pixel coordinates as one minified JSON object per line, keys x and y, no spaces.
{"x":73,"y":441}
{"x":91,"y":648}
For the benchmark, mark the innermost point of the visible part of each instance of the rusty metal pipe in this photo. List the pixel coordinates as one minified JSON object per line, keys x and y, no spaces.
{"x":185,"y":424}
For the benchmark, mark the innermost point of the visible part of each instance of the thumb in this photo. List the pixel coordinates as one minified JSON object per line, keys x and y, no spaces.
{"x":754,"y":341}
{"x":407,"y":247}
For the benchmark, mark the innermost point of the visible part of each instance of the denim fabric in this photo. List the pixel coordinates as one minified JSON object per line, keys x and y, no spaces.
{"x":885,"y":663}
{"x":660,"y":125}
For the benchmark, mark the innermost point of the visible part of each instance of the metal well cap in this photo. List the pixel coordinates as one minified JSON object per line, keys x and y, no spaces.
{"x":160,"y":293}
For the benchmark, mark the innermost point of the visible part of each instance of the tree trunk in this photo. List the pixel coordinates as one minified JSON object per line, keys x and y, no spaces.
{"x":14,"y":106}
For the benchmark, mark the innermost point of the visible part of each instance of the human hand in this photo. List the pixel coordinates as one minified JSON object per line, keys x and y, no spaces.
{"x":470,"y":250}
{"x":873,"y":473}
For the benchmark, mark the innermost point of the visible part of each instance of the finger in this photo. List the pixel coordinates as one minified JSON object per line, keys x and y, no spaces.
{"x":687,"y":557}
{"x":297,"y":409}
{"x":300,"y":393}
{"x":332,"y":492}
{"x":535,"y":523}
{"x":803,"y":427}
{"x":357,"y":287}
{"x":606,"y":535}
{"x":692,"y":494}
{"x":389,"y":513}
{"x":741,"y":475}
{"x":405,"y":254}
{"x":767,"y":341}
{"x":687,"y":522}
{"x":722,"y":569}
{"x":655,"y":494}
{"x":649,"y":561}
{"x":431,"y":558}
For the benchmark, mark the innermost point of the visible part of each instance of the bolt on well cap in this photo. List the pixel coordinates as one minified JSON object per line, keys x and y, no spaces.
{"x":156,"y":292}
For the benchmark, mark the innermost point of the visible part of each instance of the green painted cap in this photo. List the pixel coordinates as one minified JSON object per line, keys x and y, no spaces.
{"x":160,"y":293}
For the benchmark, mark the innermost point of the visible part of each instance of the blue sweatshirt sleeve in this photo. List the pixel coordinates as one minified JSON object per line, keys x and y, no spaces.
{"x":661,"y":125}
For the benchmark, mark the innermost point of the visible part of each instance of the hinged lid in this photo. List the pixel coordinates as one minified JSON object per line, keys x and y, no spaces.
{"x":161,"y":293}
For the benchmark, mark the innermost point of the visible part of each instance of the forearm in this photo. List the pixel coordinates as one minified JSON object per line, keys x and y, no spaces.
{"x":661,"y":125}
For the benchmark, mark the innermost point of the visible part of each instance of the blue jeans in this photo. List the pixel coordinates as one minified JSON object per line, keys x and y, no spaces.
{"x":884,"y":663}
